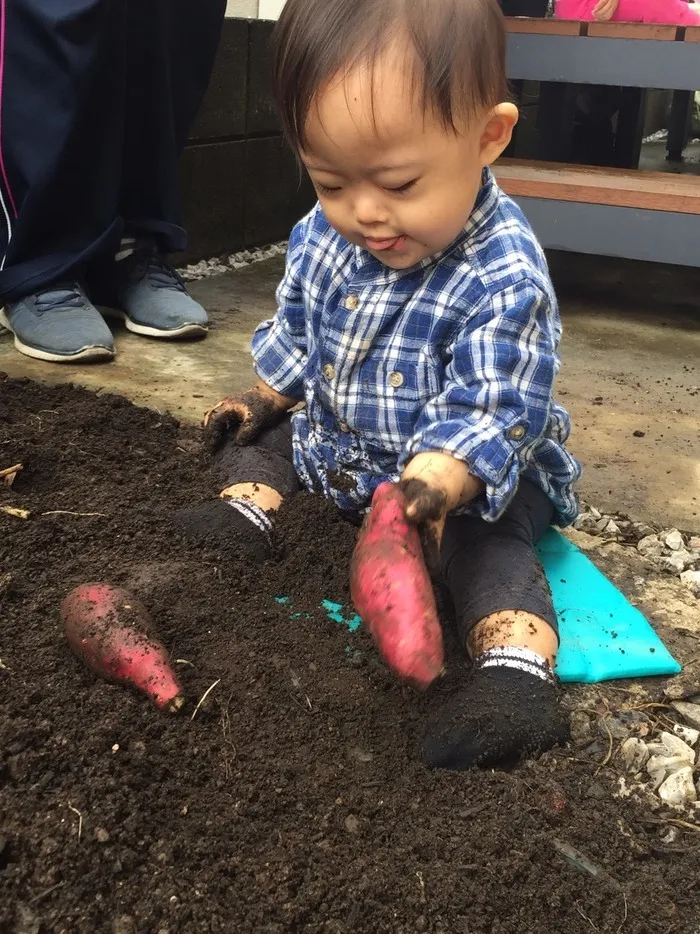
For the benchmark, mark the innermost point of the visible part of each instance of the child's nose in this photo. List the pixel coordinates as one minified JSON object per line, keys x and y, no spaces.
{"x":369,"y":211}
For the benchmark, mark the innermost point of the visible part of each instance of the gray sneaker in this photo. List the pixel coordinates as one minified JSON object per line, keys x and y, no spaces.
{"x":148,"y":294}
{"x":59,"y":324}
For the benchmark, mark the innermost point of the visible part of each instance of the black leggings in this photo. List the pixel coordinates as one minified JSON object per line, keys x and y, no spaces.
{"x":488,"y":567}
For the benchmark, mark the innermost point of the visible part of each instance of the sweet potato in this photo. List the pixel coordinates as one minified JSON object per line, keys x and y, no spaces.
{"x":391,"y":590}
{"x":111,"y":632}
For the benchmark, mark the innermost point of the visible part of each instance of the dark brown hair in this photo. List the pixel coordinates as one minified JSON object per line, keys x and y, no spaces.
{"x":458,"y":66}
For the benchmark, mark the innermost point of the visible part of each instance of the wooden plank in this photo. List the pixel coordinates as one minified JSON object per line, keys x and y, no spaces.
{"x":646,"y":31}
{"x":692,"y":33}
{"x":652,"y":191}
{"x":544,"y":27}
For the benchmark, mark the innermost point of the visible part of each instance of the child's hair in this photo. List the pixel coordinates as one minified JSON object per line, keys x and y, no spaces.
{"x":458,"y":67}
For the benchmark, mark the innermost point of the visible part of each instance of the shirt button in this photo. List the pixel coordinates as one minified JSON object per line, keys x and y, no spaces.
{"x":352,"y":302}
{"x":344,"y":426}
{"x":396,"y":379}
{"x":517,"y":433}
{"x":329,"y":371}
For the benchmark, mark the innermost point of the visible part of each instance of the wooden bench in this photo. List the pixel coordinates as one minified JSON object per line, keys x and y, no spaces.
{"x":614,"y":212}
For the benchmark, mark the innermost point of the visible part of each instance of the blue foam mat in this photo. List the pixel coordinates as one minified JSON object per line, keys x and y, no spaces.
{"x":602,"y":635}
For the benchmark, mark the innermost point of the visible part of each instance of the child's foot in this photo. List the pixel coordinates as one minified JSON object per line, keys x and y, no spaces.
{"x":501,"y":713}
{"x":226,"y":522}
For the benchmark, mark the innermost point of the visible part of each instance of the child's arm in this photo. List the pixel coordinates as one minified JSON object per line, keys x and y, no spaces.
{"x":279,"y":349}
{"x":476,"y":436}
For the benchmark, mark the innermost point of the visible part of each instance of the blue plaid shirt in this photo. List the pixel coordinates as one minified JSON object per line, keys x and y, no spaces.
{"x":456,"y":354}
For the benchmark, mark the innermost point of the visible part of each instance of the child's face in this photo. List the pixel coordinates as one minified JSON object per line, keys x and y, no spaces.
{"x":391,"y":178}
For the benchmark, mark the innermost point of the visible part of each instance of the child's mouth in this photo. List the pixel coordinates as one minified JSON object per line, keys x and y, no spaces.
{"x":381,"y":244}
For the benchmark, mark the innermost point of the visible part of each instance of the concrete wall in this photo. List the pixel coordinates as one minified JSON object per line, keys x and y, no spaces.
{"x":241,"y":185}
{"x":255,"y":9}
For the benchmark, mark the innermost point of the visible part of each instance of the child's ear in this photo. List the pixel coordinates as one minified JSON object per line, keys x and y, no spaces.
{"x":498,"y":132}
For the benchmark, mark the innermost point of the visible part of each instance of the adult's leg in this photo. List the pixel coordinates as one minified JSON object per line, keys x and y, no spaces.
{"x":506,"y":621}
{"x":171,"y":47}
{"x":171,"y":50}
{"x":61,"y":130}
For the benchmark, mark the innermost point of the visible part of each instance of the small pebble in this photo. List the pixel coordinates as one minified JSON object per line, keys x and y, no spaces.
{"x":115,"y":748}
{"x":101,"y":835}
{"x":352,"y":824}
{"x":639,"y":434}
{"x":674,"y":540}
{"x":596,"y":791}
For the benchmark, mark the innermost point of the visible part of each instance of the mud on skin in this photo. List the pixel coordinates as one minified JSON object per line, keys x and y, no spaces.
{"x":248,"y":416}
{"x":267,"y":813}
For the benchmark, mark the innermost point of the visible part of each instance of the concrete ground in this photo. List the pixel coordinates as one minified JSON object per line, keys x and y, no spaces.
{"x":631,"y":364}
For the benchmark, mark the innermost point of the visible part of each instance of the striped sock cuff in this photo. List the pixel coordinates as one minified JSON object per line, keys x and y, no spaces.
{"x":253,"y":513}
{"x":514,"y":657}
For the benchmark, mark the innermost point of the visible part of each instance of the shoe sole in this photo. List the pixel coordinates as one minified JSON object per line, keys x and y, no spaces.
{"x":186,"y":330}
{"x":84,"y":355}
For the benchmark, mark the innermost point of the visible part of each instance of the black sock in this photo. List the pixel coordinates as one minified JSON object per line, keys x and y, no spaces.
{"x":502,"y":713}
{"x":229,"y":522}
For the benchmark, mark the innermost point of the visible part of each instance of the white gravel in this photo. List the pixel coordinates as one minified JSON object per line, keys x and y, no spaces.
{"x":206,"y":268}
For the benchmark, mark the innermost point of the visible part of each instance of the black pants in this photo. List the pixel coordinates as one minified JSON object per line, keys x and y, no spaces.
{"x":96,"y":101}
{"x":488,"y":567}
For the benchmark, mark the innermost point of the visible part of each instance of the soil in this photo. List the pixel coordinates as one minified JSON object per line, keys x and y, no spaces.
{"x":295,"y":800}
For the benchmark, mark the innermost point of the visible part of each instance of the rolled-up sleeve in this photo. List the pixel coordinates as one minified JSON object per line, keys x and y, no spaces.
{"x":279,"y":345}
{"x":496,"y":392}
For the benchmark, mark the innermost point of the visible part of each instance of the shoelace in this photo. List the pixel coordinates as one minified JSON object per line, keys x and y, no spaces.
{"x":160,"y":273}
{"x":60,"y":297}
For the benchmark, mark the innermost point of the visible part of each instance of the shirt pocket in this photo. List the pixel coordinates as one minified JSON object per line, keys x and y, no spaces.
{"x":390,"y":396}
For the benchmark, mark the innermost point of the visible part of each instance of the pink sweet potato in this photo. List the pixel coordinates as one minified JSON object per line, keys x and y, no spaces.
{"x":392,"y":592}
{"x":110,"y":631}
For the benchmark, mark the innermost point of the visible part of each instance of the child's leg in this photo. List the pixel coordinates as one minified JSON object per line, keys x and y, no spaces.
{"x":507,"y":623}
{"x":253,"y":480}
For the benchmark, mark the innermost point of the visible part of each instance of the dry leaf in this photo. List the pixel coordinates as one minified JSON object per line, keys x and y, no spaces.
{"x":17,"y":513}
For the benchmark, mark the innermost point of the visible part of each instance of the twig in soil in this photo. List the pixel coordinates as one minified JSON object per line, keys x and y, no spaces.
{"x":226,"y":731}
{"x":80,"y":820}
{"x":608,"y":756}
{"x":624,"y":917}
{"x":585,"y":917}
{"x":5,"y":581}
{"x":184,"y":661}
{"x":204,"y":697}
{"x":16,"y":512}
{"x":421,"y":883}
{"x":37,"y":898}
{"x":8,"y":474}
{"x":68,"y":512}
{"x":583,"y":864}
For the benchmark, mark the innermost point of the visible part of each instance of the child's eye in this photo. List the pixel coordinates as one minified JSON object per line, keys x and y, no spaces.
{"x":403,"y":188}
{"x":326,"y":189}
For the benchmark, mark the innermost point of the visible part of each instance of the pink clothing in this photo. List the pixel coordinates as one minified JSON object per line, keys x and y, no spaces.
{"x":672,"y":12}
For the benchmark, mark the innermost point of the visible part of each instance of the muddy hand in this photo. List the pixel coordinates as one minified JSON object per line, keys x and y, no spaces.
{"x":230,"y":419}
{"x":426,"y":509}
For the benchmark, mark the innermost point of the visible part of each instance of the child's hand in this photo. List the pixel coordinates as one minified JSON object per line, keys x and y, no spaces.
{"x":604,"y":10}
{"x":241,"y":419}
{"x":434,"y":483}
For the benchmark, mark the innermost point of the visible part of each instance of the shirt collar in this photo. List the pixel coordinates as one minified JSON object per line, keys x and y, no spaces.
{"x":482,"y":212}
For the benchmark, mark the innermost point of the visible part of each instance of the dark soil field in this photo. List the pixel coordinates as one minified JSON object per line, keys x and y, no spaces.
{"x":295,"y":800}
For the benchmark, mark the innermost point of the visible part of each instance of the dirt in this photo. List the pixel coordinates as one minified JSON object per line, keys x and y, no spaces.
{"x":295,"y":800}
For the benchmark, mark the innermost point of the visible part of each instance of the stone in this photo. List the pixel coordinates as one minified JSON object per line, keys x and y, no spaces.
{"x":677,"y":562}
{"x":691,"y":579}
{"x":671,"y":835}
{"x":595,"y":513}
{"x":635,"y":754}
{"x":586,"y":523}
{"x":602,"y":524}
{"x":612,"y":528}
{"x":678,"y":789}
{"x":674,"y":540}
{"x":596,"y":791}
{"x":660,"y":768}
{"x":581,"y":734}
{"x":694,"y":542}
{"x":616,"y":729}
{"x":687,"y":734}
{"x":650,"y":546}
{"x":352,"y":824}
{"x":101,"y":835}
{"x":689,"y":712}
{"x":672,"y":745}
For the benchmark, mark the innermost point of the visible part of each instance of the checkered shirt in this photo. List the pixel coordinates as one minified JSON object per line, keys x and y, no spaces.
{"x":456,"y":354}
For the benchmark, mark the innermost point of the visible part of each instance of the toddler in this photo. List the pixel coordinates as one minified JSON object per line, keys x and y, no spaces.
{"x":670,"y":12}
{"x":417,"y":323}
